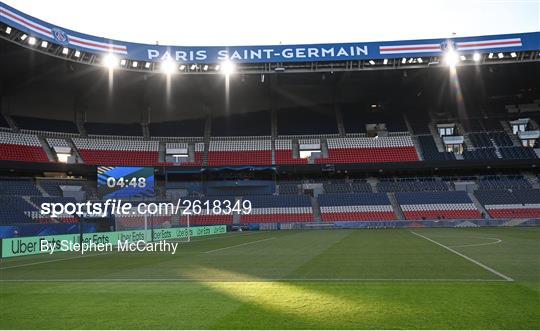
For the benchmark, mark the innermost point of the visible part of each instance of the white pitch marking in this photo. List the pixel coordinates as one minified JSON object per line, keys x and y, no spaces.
{"x":496,"y":241}
{"x":493,"y":271}
{"x":243,"y":244}
{"x":49,"y":261}
{"x":112,"y":280}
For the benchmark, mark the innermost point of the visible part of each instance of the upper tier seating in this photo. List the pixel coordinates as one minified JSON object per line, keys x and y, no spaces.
{"x":114,"y":129}
{"x":118,"y":152}
{"x":198,"y":155}
{"x":517,"y":153}
{"x":356,"y":207}
{"x":21,"y":147}
{"x":240,"y":152}
{"x":284,"y":153}
{"x":370,"y":150}
{"x":480,"y":139}
{"x":481,"y":154}
{"x":431,"y":153}
{"x":437,"y":205}
{"x":186,"y":128}
{"x":43,"y":124}
{"x":248,"y":124}
{"x":278,"y":208}
{"x":510,"y":204}
{"x":501,"y":139}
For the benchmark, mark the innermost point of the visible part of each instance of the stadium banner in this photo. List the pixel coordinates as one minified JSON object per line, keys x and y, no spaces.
{"x":32,"y":245}
{"x":270,"y":53}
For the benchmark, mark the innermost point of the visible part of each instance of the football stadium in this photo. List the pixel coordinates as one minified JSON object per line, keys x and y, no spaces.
{"x":364,"y":185}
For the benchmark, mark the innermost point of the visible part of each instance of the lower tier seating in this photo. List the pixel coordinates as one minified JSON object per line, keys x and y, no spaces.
{"x":356,"y":207}
{"x":437,"y":205}
{"x":277,"y":208}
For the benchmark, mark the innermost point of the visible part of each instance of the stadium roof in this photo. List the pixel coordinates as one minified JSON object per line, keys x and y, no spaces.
{"x":46,"y":37}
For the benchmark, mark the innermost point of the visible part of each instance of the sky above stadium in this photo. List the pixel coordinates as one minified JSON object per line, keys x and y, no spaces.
{"x":252,"y":22}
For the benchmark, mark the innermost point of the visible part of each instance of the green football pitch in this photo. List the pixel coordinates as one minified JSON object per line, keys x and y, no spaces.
{"x":484,"y":278}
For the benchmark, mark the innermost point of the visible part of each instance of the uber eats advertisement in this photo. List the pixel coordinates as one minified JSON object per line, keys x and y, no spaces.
{"x":136,"y":240}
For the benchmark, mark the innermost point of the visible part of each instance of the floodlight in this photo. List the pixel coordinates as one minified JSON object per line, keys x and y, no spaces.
{"x":8,"y":30}
{"x":65,"y":51}
{"x":134,"y":64}
{"x":372,"y":62}
{"x":168,"y":66}
{"x":420,"y":60}
{"x":193,"y":67}
{"x":44,"y":44}
{"x":77,"y":54}
{"x":476,"y":57}
{"x":205,"y":67}
{"x":217,"y":67}
{"x":147,"y":65}
{"x":451,"y":58}
{"x":403,"y":60}
{"x":500,"y":55}
{"x":385,"y":61}
{"x":463,"y":58}
{"x":24,"y":36}
{"x":32,"y":41}
{"x":110,"y":61}
{"x":123,"y":62}
{"x":227,"y":67}
{"x":182,"y":67}
{"x":490,"y":55}
{"x":513,"y":54}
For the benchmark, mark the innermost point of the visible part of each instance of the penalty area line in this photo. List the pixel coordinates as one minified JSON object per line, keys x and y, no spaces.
{"x":493,"y":271}
{"x":243,"y":244}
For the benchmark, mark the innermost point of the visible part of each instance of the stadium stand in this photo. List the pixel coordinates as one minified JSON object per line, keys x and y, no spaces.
{"x":118,"y":152}
{"x":503,"y":182}
{"x":411,"y":185}
{"x":276,"y":208}
{"x":240,"y":152}
{"x":517,"y":153}
{"x":18,"y":187}
{"x":510,"y":204}
{"x":21,"y":147}
{"x":480,"y":154}
{"x":284,"y":153}
{"x":356,"y":207}
{"x":370,"y":150}
{"x":437,"y":205}
{"x":430,"y":151}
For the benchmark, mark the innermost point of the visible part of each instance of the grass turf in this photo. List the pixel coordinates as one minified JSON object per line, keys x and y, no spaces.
{"x":322,"y":279}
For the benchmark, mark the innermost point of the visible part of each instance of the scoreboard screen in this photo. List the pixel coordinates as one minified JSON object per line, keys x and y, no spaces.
{"x":125,"y":182}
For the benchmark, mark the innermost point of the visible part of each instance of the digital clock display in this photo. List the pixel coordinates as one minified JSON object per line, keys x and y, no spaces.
{"x":125,"y":182}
